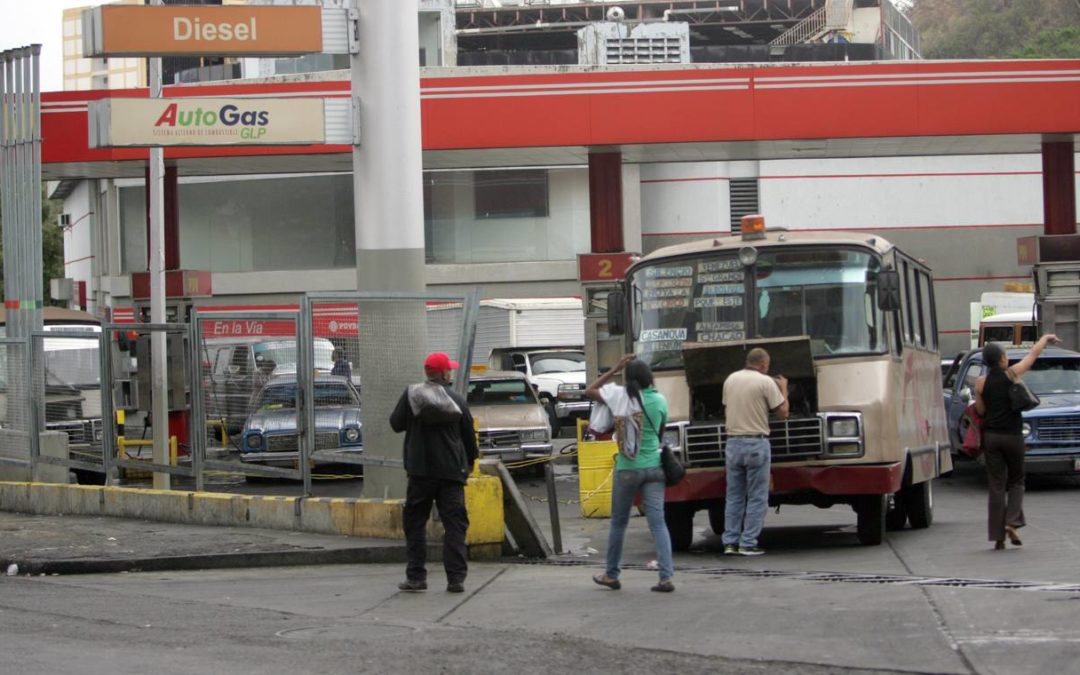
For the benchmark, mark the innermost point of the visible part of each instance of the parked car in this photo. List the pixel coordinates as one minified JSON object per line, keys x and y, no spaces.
{"x":558,"y":374}
{"x":513,"y":423}
{"x":270,"y":434}
{"x":232,"y":374}
{"x":1051,"y":431}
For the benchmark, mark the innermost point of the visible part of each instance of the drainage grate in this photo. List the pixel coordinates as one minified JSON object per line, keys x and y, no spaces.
{"x":843,"y":577}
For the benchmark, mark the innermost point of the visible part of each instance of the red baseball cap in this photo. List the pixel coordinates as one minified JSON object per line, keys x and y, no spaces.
{"x":437,"y":362}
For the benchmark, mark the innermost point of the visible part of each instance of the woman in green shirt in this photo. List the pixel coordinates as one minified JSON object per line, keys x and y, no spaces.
{"x":637,"y":466}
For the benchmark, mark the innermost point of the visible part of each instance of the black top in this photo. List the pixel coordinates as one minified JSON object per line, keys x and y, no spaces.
{"x":1000,"y":417}
{"x":438,"y":444}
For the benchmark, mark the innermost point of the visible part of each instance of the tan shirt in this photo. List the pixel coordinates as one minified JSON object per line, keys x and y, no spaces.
{"x":748,"y":397}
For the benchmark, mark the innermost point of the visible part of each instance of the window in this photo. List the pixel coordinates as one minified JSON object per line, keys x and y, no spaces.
{"x":511,"y":194}
{"x":926,"y":305}
{"x":906,"y":305}
{"x":911,"y":286}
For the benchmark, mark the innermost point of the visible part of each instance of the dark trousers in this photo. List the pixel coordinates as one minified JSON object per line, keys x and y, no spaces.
{"x":449,"y":497}
{"x":1004,"y":455}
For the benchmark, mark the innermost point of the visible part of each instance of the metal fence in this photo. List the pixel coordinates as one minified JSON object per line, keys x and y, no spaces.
{"x":15,"y":409}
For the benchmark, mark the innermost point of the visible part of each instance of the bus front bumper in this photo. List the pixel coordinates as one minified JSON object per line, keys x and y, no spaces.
{"x":846,"y":480}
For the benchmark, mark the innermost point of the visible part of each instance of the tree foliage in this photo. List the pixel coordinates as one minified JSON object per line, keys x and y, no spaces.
{"x":986,"y":29}
{"x":52,"y":245}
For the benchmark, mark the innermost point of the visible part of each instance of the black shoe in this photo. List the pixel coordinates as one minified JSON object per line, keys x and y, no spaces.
{"x":455,"y":587}
{"x":412,"y":586}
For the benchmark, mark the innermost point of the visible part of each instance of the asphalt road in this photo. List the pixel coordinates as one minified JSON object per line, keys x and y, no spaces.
{"x":928,"y":601}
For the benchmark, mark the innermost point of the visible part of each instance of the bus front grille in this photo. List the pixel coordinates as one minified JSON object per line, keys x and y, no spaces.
{"x":791,"y":440}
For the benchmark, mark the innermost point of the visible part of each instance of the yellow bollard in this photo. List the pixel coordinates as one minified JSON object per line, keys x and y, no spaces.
{"x":596,"y":470}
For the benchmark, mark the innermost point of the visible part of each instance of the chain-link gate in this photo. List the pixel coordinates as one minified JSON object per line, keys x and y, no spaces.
{"x":66,"y":368}
{"x":127,"y":439}
{"x":378,"y":341}
{"x":244,"y":393}
{"x":15,"y":409}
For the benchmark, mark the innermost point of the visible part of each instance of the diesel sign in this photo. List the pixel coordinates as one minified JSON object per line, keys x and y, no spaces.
{"x":229,"y":30}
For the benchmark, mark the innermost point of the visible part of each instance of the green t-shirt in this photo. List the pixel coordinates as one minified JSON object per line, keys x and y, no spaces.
{"x":656,"y":414}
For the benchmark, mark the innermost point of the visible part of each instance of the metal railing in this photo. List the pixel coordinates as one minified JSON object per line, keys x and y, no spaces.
{"x":835,"y":15}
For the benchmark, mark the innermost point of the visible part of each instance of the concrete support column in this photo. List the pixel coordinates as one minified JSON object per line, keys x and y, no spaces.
{"x":389,"y":220}
{"x":606,"y":202}
{"x":1059,"y":187}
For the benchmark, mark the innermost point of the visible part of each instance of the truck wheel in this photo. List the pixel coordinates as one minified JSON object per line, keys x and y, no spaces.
{"x":716,"y":516}
{"x":896,"y":515}
{"x":919,"y":500}
{"x":871,"y":519}
{"x":556,"y":424}
{"x":679,"y":519}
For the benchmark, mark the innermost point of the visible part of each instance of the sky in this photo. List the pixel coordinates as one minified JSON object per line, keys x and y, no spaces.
{"x":24,"y":22}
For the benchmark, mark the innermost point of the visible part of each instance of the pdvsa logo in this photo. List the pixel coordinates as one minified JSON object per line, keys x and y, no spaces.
{"x":228,"y":119}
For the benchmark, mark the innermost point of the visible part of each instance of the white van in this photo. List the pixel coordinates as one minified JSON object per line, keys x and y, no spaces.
{"x":235,"y":369}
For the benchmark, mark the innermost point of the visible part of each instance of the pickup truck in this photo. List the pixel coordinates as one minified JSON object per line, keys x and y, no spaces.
{"x":1051,"y":431}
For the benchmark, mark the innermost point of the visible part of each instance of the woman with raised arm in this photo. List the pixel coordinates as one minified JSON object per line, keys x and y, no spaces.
{"x":637,"y":466}
{"x":1003,"y":439}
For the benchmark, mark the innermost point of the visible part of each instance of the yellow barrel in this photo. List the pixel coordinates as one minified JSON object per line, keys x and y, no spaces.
{"x":596,"y":465}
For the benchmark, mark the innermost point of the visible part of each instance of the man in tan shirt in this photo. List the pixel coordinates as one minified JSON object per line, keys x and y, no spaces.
{"x":749,"y":396}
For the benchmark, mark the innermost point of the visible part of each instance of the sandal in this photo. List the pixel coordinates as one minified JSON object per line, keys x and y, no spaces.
{"x":1014,"y":536}
{"x":605,"y":580}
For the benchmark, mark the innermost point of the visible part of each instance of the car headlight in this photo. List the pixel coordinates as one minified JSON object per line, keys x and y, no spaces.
{"x":534,"y":435}
{"x":844,"y":427}
{"x":1026,"y":428}
{"x":253,"y":441}
{"x":351,"y":435}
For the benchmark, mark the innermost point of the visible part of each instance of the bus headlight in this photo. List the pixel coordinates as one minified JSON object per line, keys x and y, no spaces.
{"x":844,"y":427}
{"x":1026,"y":428}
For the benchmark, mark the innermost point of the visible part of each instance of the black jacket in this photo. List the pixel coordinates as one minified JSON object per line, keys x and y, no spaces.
{"x":438,"y":443}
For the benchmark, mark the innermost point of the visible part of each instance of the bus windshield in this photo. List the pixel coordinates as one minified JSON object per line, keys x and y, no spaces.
{"x":829,"y":295}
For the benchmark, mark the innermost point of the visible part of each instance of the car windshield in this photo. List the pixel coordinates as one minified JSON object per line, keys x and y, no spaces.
{"x":1054,"y":376}
{"x":557,"y":362}
{"x":500,"y":392}
{"x":327,"y":395}
{"x":829,"y":295}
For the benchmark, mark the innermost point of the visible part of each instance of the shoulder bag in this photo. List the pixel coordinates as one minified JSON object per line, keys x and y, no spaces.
{"x":674,"y":471}
{"x":1021,"y":398}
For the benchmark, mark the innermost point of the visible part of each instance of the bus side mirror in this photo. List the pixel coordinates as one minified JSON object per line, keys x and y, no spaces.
{"x":888,"y":284}
{"x":616,"y":313}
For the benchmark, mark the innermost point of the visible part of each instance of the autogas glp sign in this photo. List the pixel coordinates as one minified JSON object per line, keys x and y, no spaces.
{"x":137,"y":122}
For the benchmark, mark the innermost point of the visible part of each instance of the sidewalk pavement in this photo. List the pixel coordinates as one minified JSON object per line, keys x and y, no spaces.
{"x":89,"y":545}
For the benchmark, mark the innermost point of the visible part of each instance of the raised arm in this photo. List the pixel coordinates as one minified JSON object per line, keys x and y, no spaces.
{"x":1028,"y":361}
{"x":593,"y":390}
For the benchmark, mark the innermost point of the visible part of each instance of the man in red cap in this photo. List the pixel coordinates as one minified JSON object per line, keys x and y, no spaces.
{"x":440,"y":448}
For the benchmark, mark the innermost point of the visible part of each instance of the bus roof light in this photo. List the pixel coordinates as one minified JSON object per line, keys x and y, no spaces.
{"x":753,"y":226}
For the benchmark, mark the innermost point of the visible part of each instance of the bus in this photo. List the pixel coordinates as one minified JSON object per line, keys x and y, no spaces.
{"x":847,"y":317}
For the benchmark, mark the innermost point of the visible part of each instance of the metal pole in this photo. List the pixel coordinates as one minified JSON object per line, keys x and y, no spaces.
{"x":198,"y":402}
{"x":35,"y":120}
{"x":159,"y":384}
{"x":553,"y":507}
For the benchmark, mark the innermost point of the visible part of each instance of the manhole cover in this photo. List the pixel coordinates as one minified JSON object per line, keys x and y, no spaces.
{"x":346,"y":631}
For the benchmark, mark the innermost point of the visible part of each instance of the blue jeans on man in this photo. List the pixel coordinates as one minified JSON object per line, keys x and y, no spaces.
{"x":627,"y":482}
{"x":747,"y":459}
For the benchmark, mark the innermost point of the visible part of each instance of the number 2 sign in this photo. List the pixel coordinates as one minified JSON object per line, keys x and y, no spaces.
{"x":604,"y":266}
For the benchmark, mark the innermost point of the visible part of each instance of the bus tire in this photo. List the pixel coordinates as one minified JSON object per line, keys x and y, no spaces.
{"x":871,"y":519}
{"x":897,"y":516}
{"x":679,"y":519}
{"x":919,"y":501}
{"x":716,"y":516}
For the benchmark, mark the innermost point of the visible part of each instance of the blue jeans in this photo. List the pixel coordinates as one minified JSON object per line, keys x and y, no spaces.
{"x":627,"y":482}
{"x":747,"y":460}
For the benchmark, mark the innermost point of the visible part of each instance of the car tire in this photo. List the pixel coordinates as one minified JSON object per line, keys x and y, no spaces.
{"x":679,"y":519}
{"x":919,"y":501}
{"x":871,"y":519}
{"x":716,"y":516}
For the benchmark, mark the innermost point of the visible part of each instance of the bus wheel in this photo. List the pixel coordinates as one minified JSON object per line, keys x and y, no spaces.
{"x":679,"y":519}
{"x":871,"y":519}
{"x":716,"y":516}
{"x":896,"y":515}
{"x":919,"y":499}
